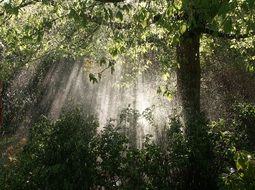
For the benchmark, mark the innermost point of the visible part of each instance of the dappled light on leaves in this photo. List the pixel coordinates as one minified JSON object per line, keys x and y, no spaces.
{"x":127,"y":94}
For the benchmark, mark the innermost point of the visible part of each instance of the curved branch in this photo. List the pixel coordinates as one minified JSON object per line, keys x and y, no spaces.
{"x":227,"y":35}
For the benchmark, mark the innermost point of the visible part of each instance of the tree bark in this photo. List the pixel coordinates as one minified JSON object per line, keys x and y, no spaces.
{"x":188,"y":76}
{"x":1,"y":104}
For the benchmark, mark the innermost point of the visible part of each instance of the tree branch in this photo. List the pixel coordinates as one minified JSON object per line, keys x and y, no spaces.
{"x":110,"y":1}
{"x":100,"y":21}
{"x":227,"y":35}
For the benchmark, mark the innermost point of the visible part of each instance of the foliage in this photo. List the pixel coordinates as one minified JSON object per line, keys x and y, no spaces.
{"x":70,"y":154}
{"x":234,"y":149}
{"x":126,"y":31}
{"x":33,"y":29}
{"x":242,"y":175}
{"x":245,"y":119}
{"x":225,"y":77}
{"x":58,"y":155}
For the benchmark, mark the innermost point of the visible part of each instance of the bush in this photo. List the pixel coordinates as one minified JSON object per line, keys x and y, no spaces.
{"x":242,"y":174}
{"x":234,"y":148}
{"x":57,"y":156}
{"x":71,"y":154}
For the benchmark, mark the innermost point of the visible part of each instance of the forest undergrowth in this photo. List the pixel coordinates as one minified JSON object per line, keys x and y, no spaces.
{"x":70,"y":153}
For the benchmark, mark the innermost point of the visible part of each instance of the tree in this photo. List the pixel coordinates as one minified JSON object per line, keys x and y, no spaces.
{"x":7,"y":11}
{"x":183,"y":23}
{"x":199,"y":16}
{"x":30,"y":32}
{"x":71,"y":26}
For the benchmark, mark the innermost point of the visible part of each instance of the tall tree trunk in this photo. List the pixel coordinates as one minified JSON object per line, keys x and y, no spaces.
{"x":188,"y":89}
{"x":1,"y":104}
{"x":188,"y":76}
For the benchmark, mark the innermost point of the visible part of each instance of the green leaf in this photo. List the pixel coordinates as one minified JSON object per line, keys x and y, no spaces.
{"x":183,"y":28}
{"x":114,"y":51}
{"x":240,"y":160}
{"x":99,"y":75}
{"x":93,"y":78}
{"x":224,"y":8}
{"x":102,"y":61}
{"x":175,"y":39}
{"x":11,"y":9}
{"x":177,"y":5}
{"x":110,"y":13}
{"x":48,"y":2}
{"x":111,"y":63}
{"x":165,"y":76}
{"x":126,"y":8}
{"x":119,"y":15}
{"x":159,"y":91}
{"x":73,"y":14}
{"x":144,"y":23}
{"x":228,"y":25}
{"x":251,"y":3}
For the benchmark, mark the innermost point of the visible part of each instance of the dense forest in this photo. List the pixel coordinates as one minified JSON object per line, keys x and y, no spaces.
{"x":127,"y":94}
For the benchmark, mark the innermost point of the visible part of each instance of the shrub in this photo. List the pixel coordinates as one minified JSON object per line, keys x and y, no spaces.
{"x":58,"y":155}
{"x":234,"y":148}
{"x":71,"y":154}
